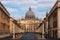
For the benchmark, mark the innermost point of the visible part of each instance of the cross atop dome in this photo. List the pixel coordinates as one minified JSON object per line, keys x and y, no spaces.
{"x":29,"y":8}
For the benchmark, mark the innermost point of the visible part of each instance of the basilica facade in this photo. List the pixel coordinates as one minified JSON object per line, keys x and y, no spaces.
{"x":30,"y":23}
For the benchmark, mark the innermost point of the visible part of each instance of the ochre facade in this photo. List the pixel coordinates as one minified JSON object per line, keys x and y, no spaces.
{"x":54,"y":21}
{"x":46,"y":25}
{"x":4,"y":20}
{"x":15,"y":28}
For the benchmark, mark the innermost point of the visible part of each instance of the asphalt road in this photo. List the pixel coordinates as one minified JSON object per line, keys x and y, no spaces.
{"x":29,"y":36}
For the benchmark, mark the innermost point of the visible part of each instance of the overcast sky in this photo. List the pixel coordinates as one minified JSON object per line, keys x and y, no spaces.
{"x":18,"y":8}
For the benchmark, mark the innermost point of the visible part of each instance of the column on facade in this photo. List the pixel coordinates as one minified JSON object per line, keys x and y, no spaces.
{"x":0,"y":20}
{"x":31,"y":28}
{"x":26,"y":27}
{"x":43,"y":31}
{"x":13,"y":30}
{"x":58,"y":23}
{"x":47,"y":27}
{"x":51,"y":26}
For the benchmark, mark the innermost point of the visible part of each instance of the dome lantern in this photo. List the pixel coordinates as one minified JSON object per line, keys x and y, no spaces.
{"x":29,"y":8}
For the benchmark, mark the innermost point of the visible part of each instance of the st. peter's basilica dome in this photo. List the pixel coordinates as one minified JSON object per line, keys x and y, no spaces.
{"x":30,"y":14}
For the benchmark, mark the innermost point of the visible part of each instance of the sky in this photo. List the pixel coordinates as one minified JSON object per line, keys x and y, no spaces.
{"x":18,"y":8}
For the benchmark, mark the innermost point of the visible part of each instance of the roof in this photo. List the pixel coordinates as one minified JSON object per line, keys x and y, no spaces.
{"x":4,"y":9}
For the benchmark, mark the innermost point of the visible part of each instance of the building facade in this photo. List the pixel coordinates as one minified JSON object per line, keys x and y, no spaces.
{"x":54,"y":21}
{"x":40,"y":31}
{"x":46,"y":25}
{"x":15,"y":28}
{"x":4,"y":20}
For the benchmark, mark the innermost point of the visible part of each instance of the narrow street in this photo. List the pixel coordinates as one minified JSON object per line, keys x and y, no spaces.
{"x":30,"y":20}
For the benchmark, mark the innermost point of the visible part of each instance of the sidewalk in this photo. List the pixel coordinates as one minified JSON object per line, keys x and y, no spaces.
{"x":4,"y":35}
